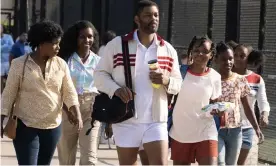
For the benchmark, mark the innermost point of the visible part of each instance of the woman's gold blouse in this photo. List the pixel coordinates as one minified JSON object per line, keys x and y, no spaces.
{"x":41,"y":99}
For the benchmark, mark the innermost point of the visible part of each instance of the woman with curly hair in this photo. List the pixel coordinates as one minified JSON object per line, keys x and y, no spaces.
{"x":78,"y":47}
{"x":39,"y":83}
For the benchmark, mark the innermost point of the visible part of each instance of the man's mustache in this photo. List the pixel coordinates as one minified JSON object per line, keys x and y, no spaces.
{"x":153,"y":22}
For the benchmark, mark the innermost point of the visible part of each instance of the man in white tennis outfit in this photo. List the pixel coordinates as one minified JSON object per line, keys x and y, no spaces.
{"x":149,"y":125}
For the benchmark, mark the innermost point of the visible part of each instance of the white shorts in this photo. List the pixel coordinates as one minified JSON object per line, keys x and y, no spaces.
{"x":128,"y":135}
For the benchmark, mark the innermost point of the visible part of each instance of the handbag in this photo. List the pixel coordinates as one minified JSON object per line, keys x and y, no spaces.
{"x":114,"y":110}
{"x":10,"y":128}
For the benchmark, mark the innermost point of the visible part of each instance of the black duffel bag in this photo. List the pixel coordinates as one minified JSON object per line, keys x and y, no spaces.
{"x":111,"y":110}
{"x":114,"y":110}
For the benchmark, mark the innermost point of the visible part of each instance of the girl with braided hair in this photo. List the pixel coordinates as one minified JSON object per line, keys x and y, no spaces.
{"x":195,"y":138}
{"x":245,"y":57}
{"x":235,"y":89}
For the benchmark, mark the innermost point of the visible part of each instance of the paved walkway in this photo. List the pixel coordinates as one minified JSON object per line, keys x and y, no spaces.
{"x":106,"y":156}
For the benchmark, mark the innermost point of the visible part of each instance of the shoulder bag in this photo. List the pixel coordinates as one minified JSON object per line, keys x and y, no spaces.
{"x":114,"y":110}
{"x":10,"y":128}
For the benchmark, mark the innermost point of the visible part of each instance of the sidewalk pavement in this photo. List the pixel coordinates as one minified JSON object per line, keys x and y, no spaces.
{"x":106,"y":156}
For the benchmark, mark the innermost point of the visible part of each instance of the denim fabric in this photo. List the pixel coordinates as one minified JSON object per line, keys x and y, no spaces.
{"x":229,"y":145}
{"x":35,"y":146}
{"x":247,"y":138}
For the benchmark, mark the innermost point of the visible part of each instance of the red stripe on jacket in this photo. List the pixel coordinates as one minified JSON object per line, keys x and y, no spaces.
{"x":253,"y":78}
{"x":165,"y":63}
{"x":166,"y":68}
{"x":118,"y":60}
{"x":165,"y":58}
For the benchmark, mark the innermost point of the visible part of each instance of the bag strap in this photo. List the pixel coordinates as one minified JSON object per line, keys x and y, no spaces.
{"x":127,"y":68}
{"x":23,"y":72}
{"x":20,"y":85}
{"x":126,"y":62}
{"x":127,"y":73}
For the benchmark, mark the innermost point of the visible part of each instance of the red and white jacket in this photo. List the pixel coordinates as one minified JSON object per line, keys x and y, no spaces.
{"x":257,"y":93}
{"x":109,"y":74}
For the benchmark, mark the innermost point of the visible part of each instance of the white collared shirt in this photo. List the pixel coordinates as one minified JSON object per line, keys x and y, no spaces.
{"x":143,"y":86}
{"x":83,"y":73}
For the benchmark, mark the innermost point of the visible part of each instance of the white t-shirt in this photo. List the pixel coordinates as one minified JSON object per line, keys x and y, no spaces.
{"x":196,"y":91}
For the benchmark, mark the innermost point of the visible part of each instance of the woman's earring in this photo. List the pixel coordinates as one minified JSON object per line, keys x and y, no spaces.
{"x":190,"y":60}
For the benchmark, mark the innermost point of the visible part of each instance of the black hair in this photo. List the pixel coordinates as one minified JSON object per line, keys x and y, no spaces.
{"x":256,"y":58}
{"x":184,"y":55}
{"x":201,"y":40}
{"x":249,"y":47}
{"x":69,"y":42}
{"x":43,"y":32}
{"x":222,"y":47}
{"x":232,"y":44}
{"x":143,"y":4}
{"x":108,"y":36}
{"x":260,"y":70}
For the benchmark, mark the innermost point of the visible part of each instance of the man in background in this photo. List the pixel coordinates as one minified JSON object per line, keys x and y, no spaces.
{"x":6,"y":45}
{"x":20,"y":48}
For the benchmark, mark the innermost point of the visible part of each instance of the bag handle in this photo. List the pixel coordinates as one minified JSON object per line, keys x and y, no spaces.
{"x":20,"y":86}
